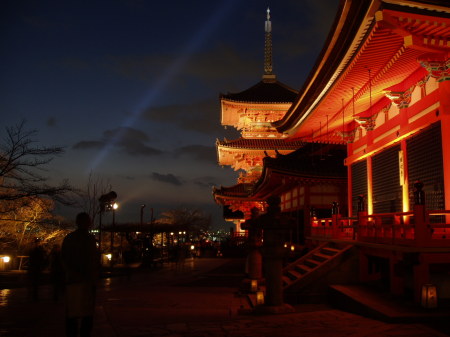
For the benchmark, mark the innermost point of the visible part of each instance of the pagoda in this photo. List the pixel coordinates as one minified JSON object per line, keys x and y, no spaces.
{"x":252,"y":112}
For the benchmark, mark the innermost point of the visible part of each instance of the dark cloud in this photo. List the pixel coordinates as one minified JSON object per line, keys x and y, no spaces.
{"x":206,"y":182}
{"x":198,"y":152}
{"x":127,"y":177}
{"x":128,"y":140}
{"x":88,"y":144}
{"x":75,"y":64}
{"x":37,"y":22}
{"x":203,"y":117}
{"x":167,"y":178}
{"x":305,"y":37}
{"x":51,"y":121}
{"x":221,"y":64}
{"x":131,"y":141}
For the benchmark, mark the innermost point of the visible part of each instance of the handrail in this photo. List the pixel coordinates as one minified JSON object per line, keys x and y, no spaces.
{"x":388,"y":214}
{"x":412,"y":228}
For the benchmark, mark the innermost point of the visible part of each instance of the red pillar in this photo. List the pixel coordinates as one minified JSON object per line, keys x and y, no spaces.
{"x":444,"y":110}
{"x":349,"y":182}
{"x":306,"y":210}
{"x":369,"y":186}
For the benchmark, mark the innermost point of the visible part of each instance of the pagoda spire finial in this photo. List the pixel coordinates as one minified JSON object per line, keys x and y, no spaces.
{"x":268,"y":75}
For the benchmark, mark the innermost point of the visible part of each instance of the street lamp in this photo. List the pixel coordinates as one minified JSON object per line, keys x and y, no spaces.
{"x":105,"y":203}
{"x":142,"y":214}
{"x":113,"y":208}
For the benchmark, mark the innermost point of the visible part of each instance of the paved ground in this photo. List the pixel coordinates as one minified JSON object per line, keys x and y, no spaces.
{"x":199,"y":300}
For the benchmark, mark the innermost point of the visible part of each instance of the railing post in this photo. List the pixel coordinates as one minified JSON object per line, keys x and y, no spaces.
{"x":313,"y":221}
{"x":422,"y":233}
{"x":335,"y":216}
{"x":362,"y":219}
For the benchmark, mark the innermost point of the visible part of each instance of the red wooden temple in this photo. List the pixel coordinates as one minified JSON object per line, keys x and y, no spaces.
{"x":382,"y":87}
{"x":380,"y":91}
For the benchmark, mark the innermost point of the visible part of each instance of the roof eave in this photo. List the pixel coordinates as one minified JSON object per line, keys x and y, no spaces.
{"x":346,"y":34}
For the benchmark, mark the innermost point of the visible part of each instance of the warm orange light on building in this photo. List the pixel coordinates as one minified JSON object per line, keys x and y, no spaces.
{"x":369,"y":186}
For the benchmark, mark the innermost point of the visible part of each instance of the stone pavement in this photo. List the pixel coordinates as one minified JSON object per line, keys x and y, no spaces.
{"x":199,"y":299}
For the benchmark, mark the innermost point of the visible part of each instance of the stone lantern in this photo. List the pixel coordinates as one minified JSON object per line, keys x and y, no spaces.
{"x":254,"y":259}
{"x":276,"y":228}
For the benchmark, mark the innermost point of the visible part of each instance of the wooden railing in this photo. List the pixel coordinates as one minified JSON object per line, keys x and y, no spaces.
{"x":412,"y":228}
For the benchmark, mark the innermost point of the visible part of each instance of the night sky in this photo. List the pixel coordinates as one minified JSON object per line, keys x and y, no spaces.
{"x":130,"y":88}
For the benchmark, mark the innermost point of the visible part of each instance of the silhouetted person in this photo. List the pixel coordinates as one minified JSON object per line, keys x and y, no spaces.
{"x":127,"y":260}
{"x":36,"y":264}
{"x":180,"y":257}
{"x":81,"y":261}
{"x":56,"y":271}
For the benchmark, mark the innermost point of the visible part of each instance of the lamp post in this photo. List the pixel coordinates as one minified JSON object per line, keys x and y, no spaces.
{"x":113,"y":208}
{"x":142,"y":214}
{"x":105,"y":202}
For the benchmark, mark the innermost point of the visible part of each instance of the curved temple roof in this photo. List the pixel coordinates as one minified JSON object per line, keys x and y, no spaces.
{"x":265,"y":91}
{"x":260,"y":144}
{"x":313,"y":162}
{"x":373,"y":45}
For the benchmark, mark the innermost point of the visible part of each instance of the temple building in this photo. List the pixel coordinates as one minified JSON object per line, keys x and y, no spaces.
{"x":251,"y":112}
{"x":381,"y":89}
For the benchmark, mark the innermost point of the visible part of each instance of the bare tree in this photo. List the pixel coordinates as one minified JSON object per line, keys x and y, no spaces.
{"x":96,"y":187}
{"x":195,"y":220}
{"x":29,"y":220}
{"x":22,"y":163}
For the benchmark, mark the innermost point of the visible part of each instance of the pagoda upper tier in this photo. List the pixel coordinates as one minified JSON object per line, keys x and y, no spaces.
{"x":253,"y":110}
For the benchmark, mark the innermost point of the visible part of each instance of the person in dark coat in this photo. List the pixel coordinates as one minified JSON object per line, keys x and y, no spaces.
{"x":56,"y":271}
{"x":81,"y":261}
{"x":36,"y":265}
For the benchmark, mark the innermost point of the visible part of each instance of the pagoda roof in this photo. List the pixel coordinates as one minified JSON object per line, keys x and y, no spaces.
{"x":260,"y":144}
{"x":314,"y":162}
{"x":265,"y":91}
{"x":373,"y":45}
{"x":238,"y":191}
{"x":235,"y":190}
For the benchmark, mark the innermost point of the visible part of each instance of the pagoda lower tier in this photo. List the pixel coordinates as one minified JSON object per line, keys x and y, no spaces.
{"x":313,"y":176}
{"x":248,"y":154}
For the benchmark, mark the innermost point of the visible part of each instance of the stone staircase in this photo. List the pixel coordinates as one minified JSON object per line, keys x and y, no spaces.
{"x":312,"y":265}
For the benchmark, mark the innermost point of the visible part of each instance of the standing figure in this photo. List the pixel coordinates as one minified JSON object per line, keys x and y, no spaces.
{"x":36,"y":264}
{"x":81,"y":261}
{"x":56,"y":271}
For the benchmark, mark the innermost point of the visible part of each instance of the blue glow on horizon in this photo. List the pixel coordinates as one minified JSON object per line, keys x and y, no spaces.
{"x":170,"y":73}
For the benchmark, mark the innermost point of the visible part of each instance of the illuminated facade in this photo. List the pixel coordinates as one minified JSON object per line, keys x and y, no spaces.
{"x":381,"y":87}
